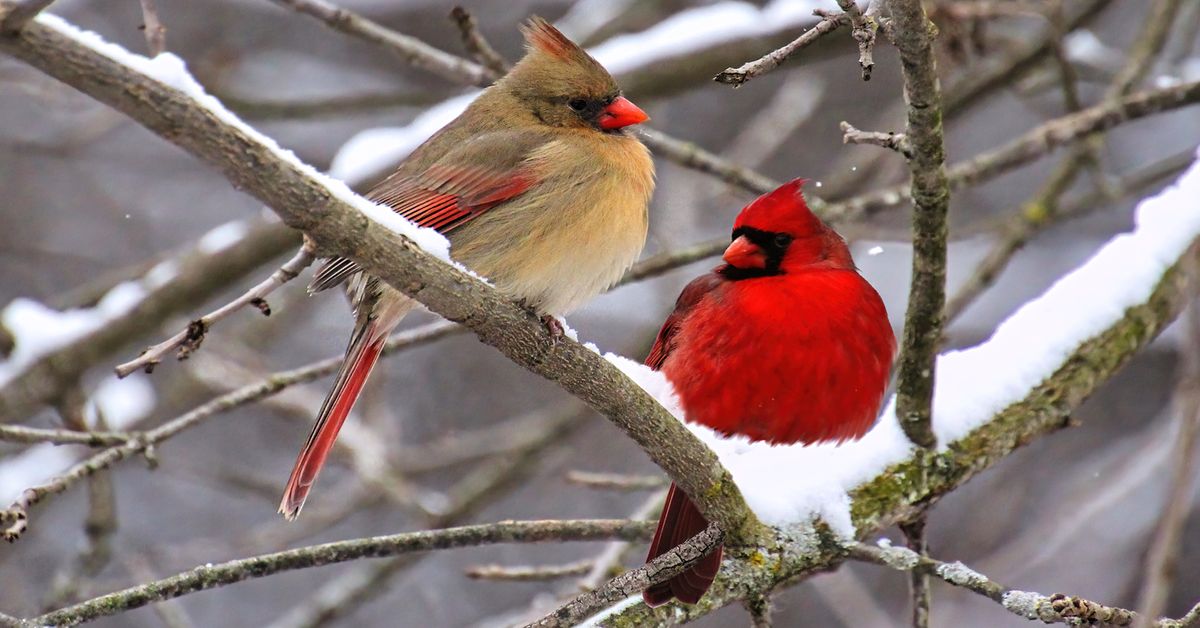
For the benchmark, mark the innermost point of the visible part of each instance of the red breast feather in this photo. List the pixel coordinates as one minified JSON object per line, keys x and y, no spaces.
{"x":799,"y":357}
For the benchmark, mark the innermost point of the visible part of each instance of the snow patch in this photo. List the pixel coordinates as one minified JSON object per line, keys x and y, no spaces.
{"x":961,"y":575}
{"x":222,"y":237}
{"x":1023,"y":603}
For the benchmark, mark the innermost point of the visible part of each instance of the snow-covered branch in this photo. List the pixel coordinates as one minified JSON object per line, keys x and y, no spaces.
{"x":163,"y":97}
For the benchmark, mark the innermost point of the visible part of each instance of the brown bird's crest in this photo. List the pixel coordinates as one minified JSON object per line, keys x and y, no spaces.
{"x":541,"y":35}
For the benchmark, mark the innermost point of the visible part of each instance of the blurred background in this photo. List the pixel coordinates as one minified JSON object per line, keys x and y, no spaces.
{"x":451,"y":432}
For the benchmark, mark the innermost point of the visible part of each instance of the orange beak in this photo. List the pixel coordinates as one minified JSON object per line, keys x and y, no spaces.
{"x":743,"y":253}
{"x":620,"y":113}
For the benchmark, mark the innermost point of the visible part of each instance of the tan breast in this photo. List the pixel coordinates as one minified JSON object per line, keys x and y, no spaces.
{"x":574,"y":233}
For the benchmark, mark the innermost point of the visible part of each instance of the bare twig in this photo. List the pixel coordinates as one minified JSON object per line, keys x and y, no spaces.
{"x":15,"y":14}
{"x":662,"y":568}
{"x":760,"y":609}
{"x":931,"y":198}
{"x":188,"y":340}
{"x":156,"y":33}
{"x":529,"y":573}
{"x":1057,"y":608}
{"x":210,"y":576}
{"x":739,"y":75}
{"x":918,"y":581}
{"x":891,"y":140}
{"x":692,"y":156}
{"x":477,"y":46}
{"x":17,"y":514}
{"x":412,"y":50}
{"x":615,"y":481}
{"x":29,"y":435}
{"x":202,"y":273}
{"x":1034,"y":144}
{"x":864,"y":27}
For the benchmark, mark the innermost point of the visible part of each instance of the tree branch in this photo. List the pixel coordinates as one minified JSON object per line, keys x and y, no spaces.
{"x":740,"y":75}
{"x":202,"y":274}
{"x":663,"y":568}
{"x":306,"y":203}
{"x":17,"y":515}
{"x":931,"y":199}
{"x":1034,"y":144}
{"x":893,"y":141}
{"x":208,"y":577}
{"x":477,"y":46}
{"x":188,"y":340}
{"x":14,"y":15}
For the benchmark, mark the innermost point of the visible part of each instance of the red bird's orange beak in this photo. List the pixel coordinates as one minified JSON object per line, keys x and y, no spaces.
{"x":743,"y":253}
{"x":620,"y":113}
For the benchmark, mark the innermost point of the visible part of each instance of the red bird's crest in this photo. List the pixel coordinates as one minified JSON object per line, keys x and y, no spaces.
{"x":784,"y":210}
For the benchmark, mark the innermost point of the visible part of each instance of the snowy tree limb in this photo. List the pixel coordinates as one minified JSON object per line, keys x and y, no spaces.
{"x":752,"y":69}
{"x":909,"y":487}
{"x":202,"y":274}
{"x":210,"y":576}
{"x":337,"y":227}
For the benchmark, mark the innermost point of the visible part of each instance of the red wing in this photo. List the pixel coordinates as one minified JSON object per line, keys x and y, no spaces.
{"x":445,"y":197}
{"x":688,"y":298}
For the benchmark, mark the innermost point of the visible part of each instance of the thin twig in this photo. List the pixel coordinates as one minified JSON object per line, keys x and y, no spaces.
{"x":211,"y":576}
{"x":17,"y":514}
{"x":760,"y":609}
{"x":1057,"y":608}
{"x":690,"y":155}
{"x":156,"y":33}
{"x":477,"y":46}
{"x":740,"y":75}
{"x":615,"y":481}
{"x":529,"y":573}
{"x":30,"y":435}
{"x":1030,"y":146}
{"x":918,"y":581}
{"x":412,"y":50}
{"x":658,"y":570}
{"x":188,"y":340}
{"x":864,"y":28}
{"x":891,"y":140}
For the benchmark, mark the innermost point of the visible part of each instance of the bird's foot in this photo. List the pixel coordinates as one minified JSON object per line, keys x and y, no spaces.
{"x":554,"y":327}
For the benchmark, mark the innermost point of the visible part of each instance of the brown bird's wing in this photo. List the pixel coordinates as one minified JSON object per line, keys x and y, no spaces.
{"x":691,"y":295}
{"x":471,"y":179}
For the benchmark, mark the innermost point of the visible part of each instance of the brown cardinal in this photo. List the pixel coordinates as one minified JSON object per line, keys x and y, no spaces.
{"x":784,"y":343}
{"x":539,"y":187}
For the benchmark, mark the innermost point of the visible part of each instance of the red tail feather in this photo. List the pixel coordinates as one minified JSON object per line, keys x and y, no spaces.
{"x":360,"y":359}
{"x":680,"y":521}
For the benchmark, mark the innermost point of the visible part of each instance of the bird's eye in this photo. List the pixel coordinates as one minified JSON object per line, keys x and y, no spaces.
{"x":578,"y":104}
{"x":782,"y":240}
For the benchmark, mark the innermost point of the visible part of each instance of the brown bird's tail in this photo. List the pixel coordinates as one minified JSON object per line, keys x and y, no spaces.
{"x":365,"y":347}
{"x":680,"y":521}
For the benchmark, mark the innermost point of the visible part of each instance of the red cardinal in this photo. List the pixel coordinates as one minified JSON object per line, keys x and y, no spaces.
{"x":784,"y":343}
{"x":538,"y":185}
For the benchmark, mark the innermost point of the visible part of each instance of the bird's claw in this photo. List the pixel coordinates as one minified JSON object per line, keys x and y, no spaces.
{"x":554,"y":327}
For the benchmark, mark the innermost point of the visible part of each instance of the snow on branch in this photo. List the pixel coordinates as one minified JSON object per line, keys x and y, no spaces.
{"x":163,"y":97}
{"x":1022,"y":383}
